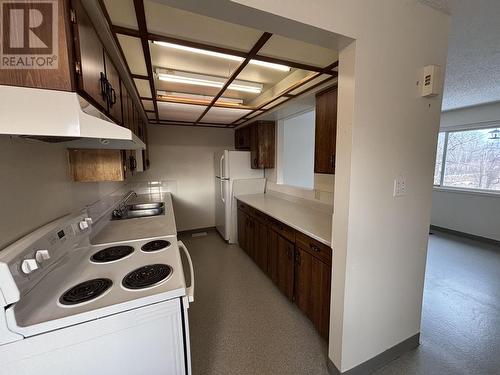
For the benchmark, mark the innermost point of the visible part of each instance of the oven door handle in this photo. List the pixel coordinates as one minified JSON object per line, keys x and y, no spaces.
{"x":190,"y":290}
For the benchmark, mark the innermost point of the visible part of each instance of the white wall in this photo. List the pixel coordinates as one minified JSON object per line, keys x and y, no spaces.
{"x":184,"y":156}
{"x":298,"y":150}
{"x":35,"y":187}
{"x":384,"y":129}
{"x":472,"y":213}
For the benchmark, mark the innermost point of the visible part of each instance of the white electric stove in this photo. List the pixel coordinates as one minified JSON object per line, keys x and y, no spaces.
{"x":69,"y":307}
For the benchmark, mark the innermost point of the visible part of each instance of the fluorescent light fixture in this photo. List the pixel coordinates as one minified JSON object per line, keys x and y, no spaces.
{"x":226,"y":56}
{"x":266,"y":64}
{"x":204,"y":98}
{"x":209,"y":81}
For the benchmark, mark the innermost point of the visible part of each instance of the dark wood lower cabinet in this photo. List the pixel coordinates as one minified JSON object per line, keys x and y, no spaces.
{"x":312,"y":289}
{"x":297,"y":264}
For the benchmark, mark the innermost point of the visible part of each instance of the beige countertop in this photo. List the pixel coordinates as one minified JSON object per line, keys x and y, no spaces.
{"x":140,"y":228}
{"x":314,"y":222}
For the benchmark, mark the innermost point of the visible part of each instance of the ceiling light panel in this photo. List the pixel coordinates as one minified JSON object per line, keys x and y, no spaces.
{"x":122,"y":13}
{"x":148,"y":105}
{"x":179,"y":112}
{"x":143,"y":88}
{"x":298,"y":51}
{"x":219,"y":55}
{"x":165,"y":20}
{"x":132,"y":49}
{"x":196,"y":97}
{"x":180,"y":59}
{"x":207,"y":81}
{"x":224,"y":115}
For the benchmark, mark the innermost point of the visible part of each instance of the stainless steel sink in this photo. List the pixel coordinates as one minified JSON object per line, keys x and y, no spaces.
{"x":139,"y":210}
{"x":145,"y":206}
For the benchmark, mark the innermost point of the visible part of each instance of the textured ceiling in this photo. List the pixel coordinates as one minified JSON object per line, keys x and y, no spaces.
{"x":473,"y":67}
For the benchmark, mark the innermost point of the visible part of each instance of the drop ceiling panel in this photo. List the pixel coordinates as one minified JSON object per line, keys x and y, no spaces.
{"x":132,"y":49}
{"x":170,"y":58}
{"x":165,"y":20}
{"x":294,"y":50}
{"x":143,"y":87}
{"x":254,"y":114}
{"x":311,"y":83}
{"x":148,"y":105}
{"x":185,"y":88}
{"x":264,"y":75}
{"x":151,"y":116}
{"x":275,"y":103}
{"x":179,"y":112}
{"x":224,"y":115}
{"x":122,"y":13}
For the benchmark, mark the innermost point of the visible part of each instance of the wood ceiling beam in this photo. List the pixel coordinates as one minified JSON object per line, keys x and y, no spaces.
{"x":143,"y":34}
{"x":212,"y":48}
{"x":200,"y":103}
{"x":289,"y":96}
{"x":255,"y":49}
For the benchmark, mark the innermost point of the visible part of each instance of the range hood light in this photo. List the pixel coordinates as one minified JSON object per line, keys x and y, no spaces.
{"x":225,"y":56}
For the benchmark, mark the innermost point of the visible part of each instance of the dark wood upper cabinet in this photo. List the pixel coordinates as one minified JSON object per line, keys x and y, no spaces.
{"x":89,"y":51}
{"x":262,"y":144}
{"x":242,"y":138}
{"x":114,"y":88}
{"x":326,"y":131}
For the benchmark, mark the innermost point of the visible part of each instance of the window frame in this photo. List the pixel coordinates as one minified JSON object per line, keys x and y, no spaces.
{"x":441,"y":186}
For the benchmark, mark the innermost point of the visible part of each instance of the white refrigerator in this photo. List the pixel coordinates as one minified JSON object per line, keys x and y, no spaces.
{"x":229,"y":167}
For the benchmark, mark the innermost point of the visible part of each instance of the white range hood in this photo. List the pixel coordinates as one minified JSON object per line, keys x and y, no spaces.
{"x":60,"y":116}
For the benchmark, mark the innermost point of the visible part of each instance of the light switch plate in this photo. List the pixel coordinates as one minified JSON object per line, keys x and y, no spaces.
{"x":399,"y":186}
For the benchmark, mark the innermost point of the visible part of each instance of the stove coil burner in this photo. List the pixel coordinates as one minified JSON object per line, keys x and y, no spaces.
{"x":86,"y":291}
{"x":155,"y":246}
{"x":147,"y":276}
{"x":111,"y":254}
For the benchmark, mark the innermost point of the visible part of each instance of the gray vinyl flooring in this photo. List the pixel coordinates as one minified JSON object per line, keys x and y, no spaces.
{"x":241,"y":324}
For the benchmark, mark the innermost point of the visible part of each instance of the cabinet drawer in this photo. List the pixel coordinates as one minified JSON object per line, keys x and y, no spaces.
{"x":245,"y":208}
{"x":314,"y":247}
{"x":282,"y":229}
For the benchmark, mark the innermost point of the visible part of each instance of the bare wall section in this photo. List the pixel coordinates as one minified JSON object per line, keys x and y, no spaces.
{"x":184,"y":156}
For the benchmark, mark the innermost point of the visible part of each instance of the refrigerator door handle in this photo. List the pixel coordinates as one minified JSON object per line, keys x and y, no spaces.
{"x":222,"y":192}
{"x":221,"y":167}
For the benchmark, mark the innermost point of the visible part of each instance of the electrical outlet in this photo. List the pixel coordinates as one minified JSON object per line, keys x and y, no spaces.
{"x":399,"y":186}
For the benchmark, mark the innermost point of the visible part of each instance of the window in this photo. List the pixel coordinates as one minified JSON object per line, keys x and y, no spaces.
{"x":297,"y":134}
{"x":468,"y":159}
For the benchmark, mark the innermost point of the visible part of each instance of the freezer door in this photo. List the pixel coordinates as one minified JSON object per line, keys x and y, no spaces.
{"x":221,"y":164}
{"x":222,"y":207}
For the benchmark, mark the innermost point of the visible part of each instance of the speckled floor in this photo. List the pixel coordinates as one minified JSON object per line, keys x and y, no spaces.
{"x":241,"y":324}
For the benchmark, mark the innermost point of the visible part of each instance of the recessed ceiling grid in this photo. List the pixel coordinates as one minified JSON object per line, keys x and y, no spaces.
{"x":228,"y":109}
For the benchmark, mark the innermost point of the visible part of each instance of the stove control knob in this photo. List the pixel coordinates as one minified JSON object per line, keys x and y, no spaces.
{"x":29,"y":265}
{"x":42,"y":255}
{"x":83,"y":225}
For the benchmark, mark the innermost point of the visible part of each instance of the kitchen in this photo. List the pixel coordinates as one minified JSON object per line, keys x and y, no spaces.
{"x":151,"y":138}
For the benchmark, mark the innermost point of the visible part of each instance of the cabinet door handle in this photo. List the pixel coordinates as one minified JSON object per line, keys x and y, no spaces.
{"x":332,"y":160}
{"x":314,"y":248}
{"x":255,"y":162}
{"x":104,"y":86}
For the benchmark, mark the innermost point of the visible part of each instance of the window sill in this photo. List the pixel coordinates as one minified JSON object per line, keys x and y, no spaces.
{"x":467,"y":191}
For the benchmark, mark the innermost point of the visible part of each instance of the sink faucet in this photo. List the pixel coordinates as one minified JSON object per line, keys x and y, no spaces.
{"x":122,"y":206}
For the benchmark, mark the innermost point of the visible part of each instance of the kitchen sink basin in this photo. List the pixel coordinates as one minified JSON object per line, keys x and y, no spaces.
{"x":146,"y":206}
{"x":131,"y":212}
